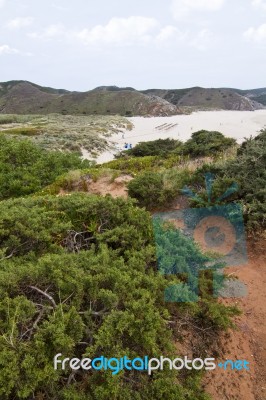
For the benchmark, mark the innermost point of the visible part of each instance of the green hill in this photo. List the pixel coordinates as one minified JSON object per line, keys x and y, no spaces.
{"x":258,"y":95}
{"x":23,"y":97}
{"x":223,"y":99}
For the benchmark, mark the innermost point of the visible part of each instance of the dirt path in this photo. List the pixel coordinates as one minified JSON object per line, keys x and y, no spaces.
{"x":249,"y":340}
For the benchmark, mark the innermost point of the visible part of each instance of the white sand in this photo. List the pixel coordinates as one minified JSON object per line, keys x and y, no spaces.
{"x":235,"y":124}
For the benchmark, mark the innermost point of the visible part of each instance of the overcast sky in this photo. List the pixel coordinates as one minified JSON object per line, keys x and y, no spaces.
{"x":81,"y":44}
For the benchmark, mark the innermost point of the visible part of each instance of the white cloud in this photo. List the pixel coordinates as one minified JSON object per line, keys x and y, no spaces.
{"x":257,"y":35}
{"x":182,"y":8}
{"x":2,"y":2}
{"x":19,"y":22}
{"x":131,"y":31}
{"x":120,"y":31}
{"x":6,"y":49}
{"x":259,"y":4}
{"x":52,"y":31}
{"x":170,"y":33}
{"x":203,"y":40}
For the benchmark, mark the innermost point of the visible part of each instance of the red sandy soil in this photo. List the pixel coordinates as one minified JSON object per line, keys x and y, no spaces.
{"x":248,"y":341}
{"x":116,"y":188}
{"x":104,"y":185}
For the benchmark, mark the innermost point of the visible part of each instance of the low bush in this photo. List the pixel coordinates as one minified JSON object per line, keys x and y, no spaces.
{"x":136,"y":165}
{"x":159,"y":147}
{"x":157,"y":189}
{"x":15,"y":118}
{"x":79,"y":277}
{"x":207,"y":143}
{"x":148,"y":189}
{"x":24,"y":131}
{"x":248,"y":171}
{"x":25,"y":168}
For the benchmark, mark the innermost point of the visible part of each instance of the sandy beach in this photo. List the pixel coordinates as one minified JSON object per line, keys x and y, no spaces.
{"x":235,"y":124}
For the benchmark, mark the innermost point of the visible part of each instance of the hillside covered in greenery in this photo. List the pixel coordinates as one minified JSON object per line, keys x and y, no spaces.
{"x":23,"y":97}
{"x":79,"y":272}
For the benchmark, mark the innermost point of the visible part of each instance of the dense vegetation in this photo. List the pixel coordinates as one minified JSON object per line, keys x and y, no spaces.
{"x":80,"y":273}
{"x":202,"y":143}
{"x":160,"y":147}
{"x":25,"y":168}
{"x":207,"y":143}
{"x":249,"y":170}
{"x":24,"y":97}
{"x":198,"y":98}
{"x":154,"y":190}
{"x":78,"y":276}
{"x":135,"y":165}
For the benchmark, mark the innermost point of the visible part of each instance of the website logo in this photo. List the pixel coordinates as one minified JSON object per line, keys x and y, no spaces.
{"x":145,"y":364}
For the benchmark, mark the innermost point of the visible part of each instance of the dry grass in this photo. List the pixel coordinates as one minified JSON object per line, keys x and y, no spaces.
{"x":64,"y":132}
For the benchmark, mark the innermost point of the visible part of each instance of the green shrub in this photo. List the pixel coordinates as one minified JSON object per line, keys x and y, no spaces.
{"x":24,"y":131}
{"x":207,"y":143}
{"x":158,"y":189}
{"x":26,"y":169}
{"x":148,"y":189}
{"x":78,"y":278}
{"x":8,"y":119}
{"x":136,"y":165}
{"x":132,"y":165}
{"x":159,"y":147}
{"x":15,"y":118}
{"x":248,"y":171}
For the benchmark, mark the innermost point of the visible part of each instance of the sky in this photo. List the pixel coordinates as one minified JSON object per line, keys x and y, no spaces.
{"x":82,"y":44}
